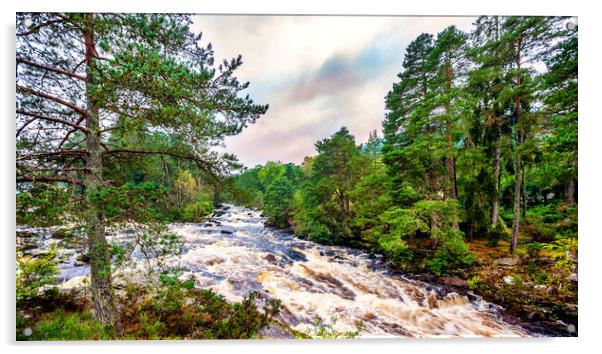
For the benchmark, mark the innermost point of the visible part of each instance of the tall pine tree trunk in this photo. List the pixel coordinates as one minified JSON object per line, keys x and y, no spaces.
{"x":569,"y":191}
{"x":451,"y":161}
{"x":518,"y":162}
{"x":100,"y":252}
{"x":517,"y":194}
{"x":495,"y":208}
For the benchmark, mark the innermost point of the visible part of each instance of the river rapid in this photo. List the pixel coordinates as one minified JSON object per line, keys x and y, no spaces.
{"x":234,"y":253}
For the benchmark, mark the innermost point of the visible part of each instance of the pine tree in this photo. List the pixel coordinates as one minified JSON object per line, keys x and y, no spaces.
{"x":81,"y":77}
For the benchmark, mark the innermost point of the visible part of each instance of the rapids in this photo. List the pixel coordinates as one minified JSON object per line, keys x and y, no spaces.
{"x":234,"y":253}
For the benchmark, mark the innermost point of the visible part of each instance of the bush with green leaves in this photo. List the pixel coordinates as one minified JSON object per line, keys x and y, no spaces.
{"x":197,"y":211}
{"x":327,"y":330}
{"x":451,"y":255}
{"x":563,"y":251}
{"x":176,"y":309}
{"x":35,"y":272}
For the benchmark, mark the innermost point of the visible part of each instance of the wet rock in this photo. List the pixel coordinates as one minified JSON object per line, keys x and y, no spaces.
{"x":214,"y":261}
{"x":39,"y":253}
{"x":84,"y":258}
{"x":28,"y":246}
{"x":227,"y":231}
{"x":574,"y":277}
{"x":508,"y":279}
{"x":367,"y":316}
{"x":424,"y":277}
{"x":270,"y":258}
{"x":507,"y":261}
{"x":62,"y":234}
{"x":275,"y":332}
{"x":25,"y":234}
{"x":534,"y":316}
{"x":333,"y":283}
{"x":454,"y":282}
{"x":295,"y":255}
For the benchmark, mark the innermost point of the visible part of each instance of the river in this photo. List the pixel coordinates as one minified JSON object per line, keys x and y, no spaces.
{"x":234,"y":253}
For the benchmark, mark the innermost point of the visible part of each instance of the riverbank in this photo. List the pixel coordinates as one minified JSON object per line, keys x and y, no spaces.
{"x":528,"y":288}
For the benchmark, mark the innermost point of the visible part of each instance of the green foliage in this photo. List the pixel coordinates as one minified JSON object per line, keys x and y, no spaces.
{"x":178,"y":310}
{"x":499,"y":232}
{"x":563,"y":251}
{"x":326,"y":330}
{"x":452,"y":255}
{"x":34,"y":273}
{"x":278,"y":201}
{"x":197,"y":211}
{"x":43,"y":205}
{"x":474,"y":282}
{"x":61,"y":325}
{"x":144,"y":202}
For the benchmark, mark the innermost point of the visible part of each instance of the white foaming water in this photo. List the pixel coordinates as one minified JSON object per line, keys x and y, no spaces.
{"x":234,"y":253}
{"x":315,"y":281}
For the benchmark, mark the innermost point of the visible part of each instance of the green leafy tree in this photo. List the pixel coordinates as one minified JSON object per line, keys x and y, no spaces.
{"x":278,"y":201}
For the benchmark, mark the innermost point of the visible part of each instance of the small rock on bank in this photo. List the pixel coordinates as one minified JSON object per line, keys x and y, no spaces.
{"x":506,"y":261}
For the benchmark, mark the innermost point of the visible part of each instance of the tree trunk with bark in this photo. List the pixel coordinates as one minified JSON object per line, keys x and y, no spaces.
{"x":100,"y":252}
{"x":518,"y":159}
{"x":495,"y":208}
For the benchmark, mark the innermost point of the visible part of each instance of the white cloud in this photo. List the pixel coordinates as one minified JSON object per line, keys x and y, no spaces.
{"x":317,"y":73}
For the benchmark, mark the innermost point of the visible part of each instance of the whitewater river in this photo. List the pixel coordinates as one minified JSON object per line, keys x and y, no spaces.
{"x":234,"y":253}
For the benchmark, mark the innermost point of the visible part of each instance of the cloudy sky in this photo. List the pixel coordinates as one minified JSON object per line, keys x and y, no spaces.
{"x":317,"y":73}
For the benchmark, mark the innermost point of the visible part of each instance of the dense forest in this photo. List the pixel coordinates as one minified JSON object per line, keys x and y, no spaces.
{"x":118,"y":116}
{"x":479,"y":148}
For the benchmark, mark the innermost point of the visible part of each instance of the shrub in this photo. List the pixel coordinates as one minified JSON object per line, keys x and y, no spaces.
{"x":59,"y":325}
{"x":197,"y":211}
{"x":326,"y":330}
{"x":395,"y":249}
{"x":499,"y":232}
{"x":33,"y":273}
{"x":178,"y":310}
{"x":561,"y":250}
{"x":453,"y":254}
{"x":474,"y":282}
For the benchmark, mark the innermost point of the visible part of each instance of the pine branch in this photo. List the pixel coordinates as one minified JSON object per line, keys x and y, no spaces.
{"x":51,"y":154}
{"x":51,"y":68}
{"x":46,"y":179}
{"x":51,"y":119}
{"x":35,"y":29}
{"x":52,"y":98}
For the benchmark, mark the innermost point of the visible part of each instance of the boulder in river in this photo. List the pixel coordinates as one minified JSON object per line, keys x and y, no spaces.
{"x":270,"y":258}
{"x":227,"y":231}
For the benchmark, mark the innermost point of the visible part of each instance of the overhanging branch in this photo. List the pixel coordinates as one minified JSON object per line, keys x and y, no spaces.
{"x":52,"y":119}
{"x":51,"y":68}
{"x":52,"y":98}
{"x":52,"y":154}
{"x":46,"y":179}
